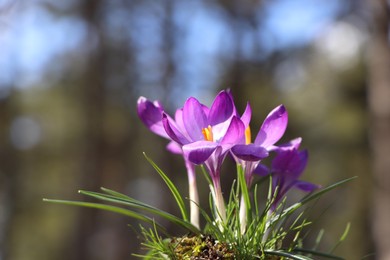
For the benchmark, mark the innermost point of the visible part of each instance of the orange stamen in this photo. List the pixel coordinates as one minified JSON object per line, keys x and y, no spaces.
{"x":208,"y":133}
{"x":248,"y":136}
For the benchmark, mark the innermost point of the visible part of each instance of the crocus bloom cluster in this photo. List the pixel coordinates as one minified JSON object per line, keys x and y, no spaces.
{"x":205,"y":135}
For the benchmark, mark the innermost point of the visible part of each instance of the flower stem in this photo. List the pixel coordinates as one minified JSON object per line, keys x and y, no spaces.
{"x":219,"y":201}
{"x":193,"y":194}
{"x":243,"y":217}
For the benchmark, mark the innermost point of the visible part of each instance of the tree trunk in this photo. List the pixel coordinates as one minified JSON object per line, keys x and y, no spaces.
{"x":379,"y":105}
{"x":92,"y":96}
{"x":9,"y":177}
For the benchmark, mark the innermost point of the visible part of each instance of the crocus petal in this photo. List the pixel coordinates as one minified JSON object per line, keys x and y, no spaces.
{"x":150,"y":114}
{"x":172,"y":131}
{"x":174,"y":147}
{"x":273,"y":127}
{"x":235,"y":113}
{"x":306,"y":186}
{"x":250,"y":152}
{"x":206,"y":110}
{"x":194,"y":119}
{"x":198,"y":152}
{"x":235,"y":132}
{"x":214,"y":163}
{"x":293,"y":144}
{"x":304,"y":157}
{"x":262,"y":170}
{"x":179,"y":118}
{"x":299,"y":164}
{"x":290,"y":163}
{"x":246,"y":116}
{"x":180,"y":124}
{"x":221,"y":109}
{"x":282,"y":160}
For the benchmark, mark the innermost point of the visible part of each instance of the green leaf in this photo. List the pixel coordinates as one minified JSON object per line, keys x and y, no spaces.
{"x":172,"y":188}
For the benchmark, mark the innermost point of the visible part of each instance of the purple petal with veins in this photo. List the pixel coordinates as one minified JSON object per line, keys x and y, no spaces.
{"x":291,"y":145}
{"x":221,"y":109}
{"x":261,"y":170}
{"x":150,"y":114}
{"x":273,"y":127}
{"x":172,"y":131}
{"x":246,"y":116}
{"x":198,"y":152}
{"x":249,"y":152}
{"x":194,"y":119}
{"x":292,"y":163}
{"x":235,"y":132}
{"x":174,"y":147}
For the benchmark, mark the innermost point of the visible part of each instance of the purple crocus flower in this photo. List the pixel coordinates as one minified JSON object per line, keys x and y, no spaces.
{"x":206,"y":135}
{"x":151,"y":114}
{"x":287,"y":167}
{"x":250,"y":154}
{"x":201,"y":130}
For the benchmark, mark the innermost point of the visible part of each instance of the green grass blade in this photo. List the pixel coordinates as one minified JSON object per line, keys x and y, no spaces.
{"x":318,"y":239}
{"x":115,"y":193}
{"x":316,"y":253}
{"x":342,"y":238}
{"x":325,"y":190}
{"x":130,"y":202}
{"x":172,"y":188}
{"x":110,"y":208}
{"x":286,"y":254}
{"x":315,"y":195}
{"x":255,"y":200}
{"x":206,"y":175}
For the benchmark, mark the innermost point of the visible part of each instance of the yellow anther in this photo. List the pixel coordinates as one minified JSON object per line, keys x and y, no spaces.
{"x":208,"y":133}
{"x":248,"y":136}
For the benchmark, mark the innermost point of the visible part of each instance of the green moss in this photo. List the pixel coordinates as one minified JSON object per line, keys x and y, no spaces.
{"x":201,"y":247}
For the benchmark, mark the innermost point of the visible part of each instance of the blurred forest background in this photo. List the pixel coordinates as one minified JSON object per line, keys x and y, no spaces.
{"x":71,"y":72}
